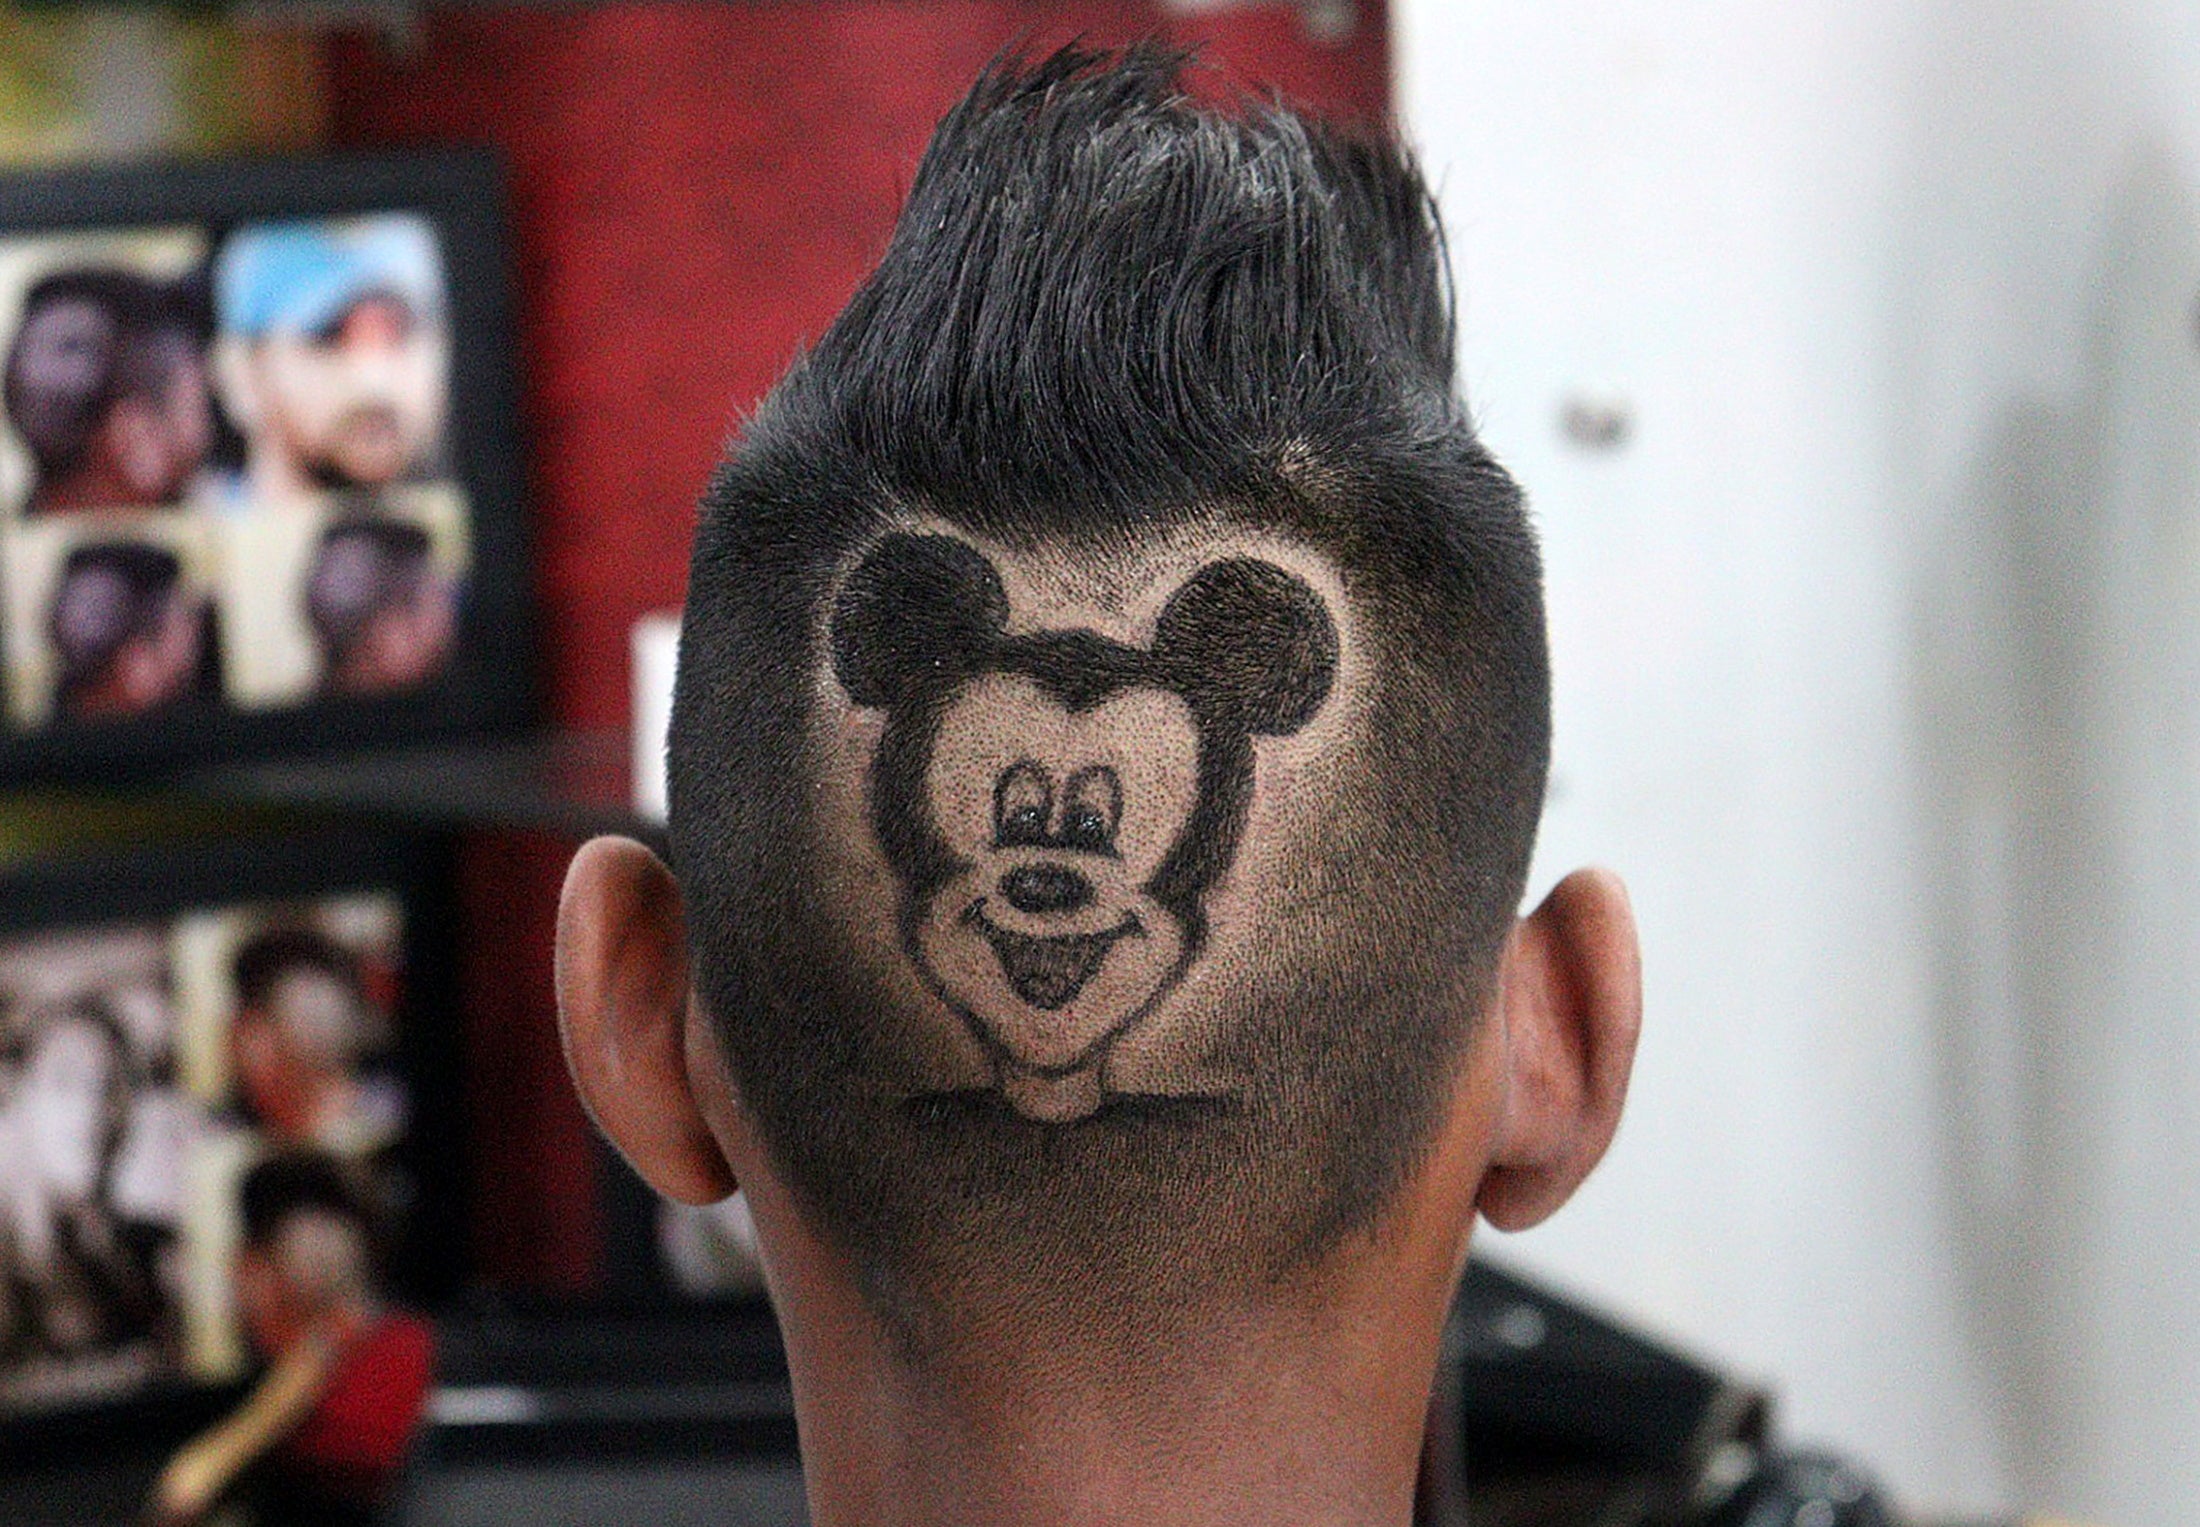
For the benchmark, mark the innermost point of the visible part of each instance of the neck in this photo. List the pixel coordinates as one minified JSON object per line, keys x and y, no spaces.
{"x":1308,"y":1413}
{"x":274,"y":477}
{"x":1297,"y":1441}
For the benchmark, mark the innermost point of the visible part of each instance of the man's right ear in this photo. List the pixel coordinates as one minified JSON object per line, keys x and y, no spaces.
{"x":623,"y":1012}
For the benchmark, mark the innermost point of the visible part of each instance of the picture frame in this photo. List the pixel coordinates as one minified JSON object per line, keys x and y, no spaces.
{"x":162,"y":941}
{"x":260,"y":482}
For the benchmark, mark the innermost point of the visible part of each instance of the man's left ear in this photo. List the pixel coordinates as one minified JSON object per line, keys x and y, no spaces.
{"x":623,"y":1012}
{"x":1570,"y":1002}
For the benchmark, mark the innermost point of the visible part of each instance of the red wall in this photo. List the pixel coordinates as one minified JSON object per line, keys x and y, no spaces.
{"x":696,"y":191}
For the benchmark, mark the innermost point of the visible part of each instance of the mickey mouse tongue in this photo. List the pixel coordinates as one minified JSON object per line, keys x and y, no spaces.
{"x":1049,"y":972}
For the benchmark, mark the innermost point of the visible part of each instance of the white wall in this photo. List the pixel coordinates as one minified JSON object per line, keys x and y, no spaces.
{"x":1878,"y":654}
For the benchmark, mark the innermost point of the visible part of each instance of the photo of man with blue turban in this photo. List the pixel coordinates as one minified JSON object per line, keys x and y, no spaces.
{"x":332,"y":354}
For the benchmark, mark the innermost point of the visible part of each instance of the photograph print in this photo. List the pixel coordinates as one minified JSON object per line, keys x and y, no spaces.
{"x":94,"y":1134}
{"x":226,"y":467}
{"x":147,"y":1069}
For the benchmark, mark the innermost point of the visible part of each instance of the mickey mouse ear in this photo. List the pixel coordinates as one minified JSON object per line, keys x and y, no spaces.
{"x":1246,"y":640}
{"x":916,"y":607}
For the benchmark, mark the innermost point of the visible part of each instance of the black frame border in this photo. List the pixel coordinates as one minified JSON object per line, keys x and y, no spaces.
{"x":428,"y":1263}
{"x":492,"y":686}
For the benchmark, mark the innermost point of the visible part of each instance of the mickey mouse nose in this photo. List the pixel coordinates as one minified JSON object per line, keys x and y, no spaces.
{"x":1036,"y":888}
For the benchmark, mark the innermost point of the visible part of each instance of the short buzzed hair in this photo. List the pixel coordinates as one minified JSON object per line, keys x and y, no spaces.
{"x":1113,"y":711}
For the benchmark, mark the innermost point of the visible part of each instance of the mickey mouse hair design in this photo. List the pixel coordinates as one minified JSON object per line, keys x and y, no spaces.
{"x":1249,"y":648}
{"x":1248,"y":644}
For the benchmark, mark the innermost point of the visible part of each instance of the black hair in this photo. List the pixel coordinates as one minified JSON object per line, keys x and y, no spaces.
{"x":265,"y":958}
{"x":57,"y":389}
{"x":1108,"y":315}
{"x":108,"y":594}
{"x":298,"y":1182}
{"x":366,"y":563}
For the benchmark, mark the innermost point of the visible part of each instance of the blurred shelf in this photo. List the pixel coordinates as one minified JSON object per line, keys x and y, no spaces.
{"x":575,"y":783}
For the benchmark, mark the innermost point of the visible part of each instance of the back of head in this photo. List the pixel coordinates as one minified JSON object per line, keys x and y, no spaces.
{"x":1112,"y":715}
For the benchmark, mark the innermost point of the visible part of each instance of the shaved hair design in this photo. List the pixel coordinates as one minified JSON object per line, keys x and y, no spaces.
{"x":1113,"y":711}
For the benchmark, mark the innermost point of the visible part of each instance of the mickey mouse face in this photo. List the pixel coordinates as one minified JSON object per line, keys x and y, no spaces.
{"x":1073,"y":798}
{"x":1046,"y":934}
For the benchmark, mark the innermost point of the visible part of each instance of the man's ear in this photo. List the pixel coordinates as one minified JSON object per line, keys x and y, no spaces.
{"x":1570,"y":1001}
{"x":622,"y":979}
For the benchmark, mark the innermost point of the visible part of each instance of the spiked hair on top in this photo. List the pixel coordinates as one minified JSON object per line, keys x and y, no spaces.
{"x":1113,"y":710}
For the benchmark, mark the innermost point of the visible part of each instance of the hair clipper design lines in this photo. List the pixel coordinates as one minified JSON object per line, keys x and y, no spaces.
{"x":1123,"y":353}
{"x":1057,"y":805}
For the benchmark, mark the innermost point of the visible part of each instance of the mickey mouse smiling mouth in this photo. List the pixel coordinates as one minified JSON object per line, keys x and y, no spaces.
{"x":1049,"y":971}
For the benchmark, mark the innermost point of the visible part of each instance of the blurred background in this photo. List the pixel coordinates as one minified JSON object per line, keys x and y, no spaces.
{"x":1850,"y":355}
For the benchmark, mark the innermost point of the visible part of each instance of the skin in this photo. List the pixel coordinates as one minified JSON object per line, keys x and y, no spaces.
{"x":296,"y":1056}
{"x":1307,"y":1409}
{"x":403,"y":646}
{"x":144,"y":452}
{"x":356,"y":406}
{"x":150,"y":669}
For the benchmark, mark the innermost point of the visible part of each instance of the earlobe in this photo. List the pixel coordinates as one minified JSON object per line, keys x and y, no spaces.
{"x":1570,"y":1003}
{"x":622,"y":981}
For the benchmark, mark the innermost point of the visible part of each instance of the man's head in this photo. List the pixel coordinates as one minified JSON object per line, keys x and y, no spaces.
{"x":306,"y":1253}
{"x":333,"y":357}
{"x":129,"y":632}
{"x":1111,"y":727}
{"x":301,"y":1027}
{"x":382,"y":611}
{"x":106,"y":385}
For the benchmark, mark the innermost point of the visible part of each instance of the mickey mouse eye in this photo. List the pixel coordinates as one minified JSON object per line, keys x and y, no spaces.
{"x":1092,"y":808}
{"x":1023,"y":801}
